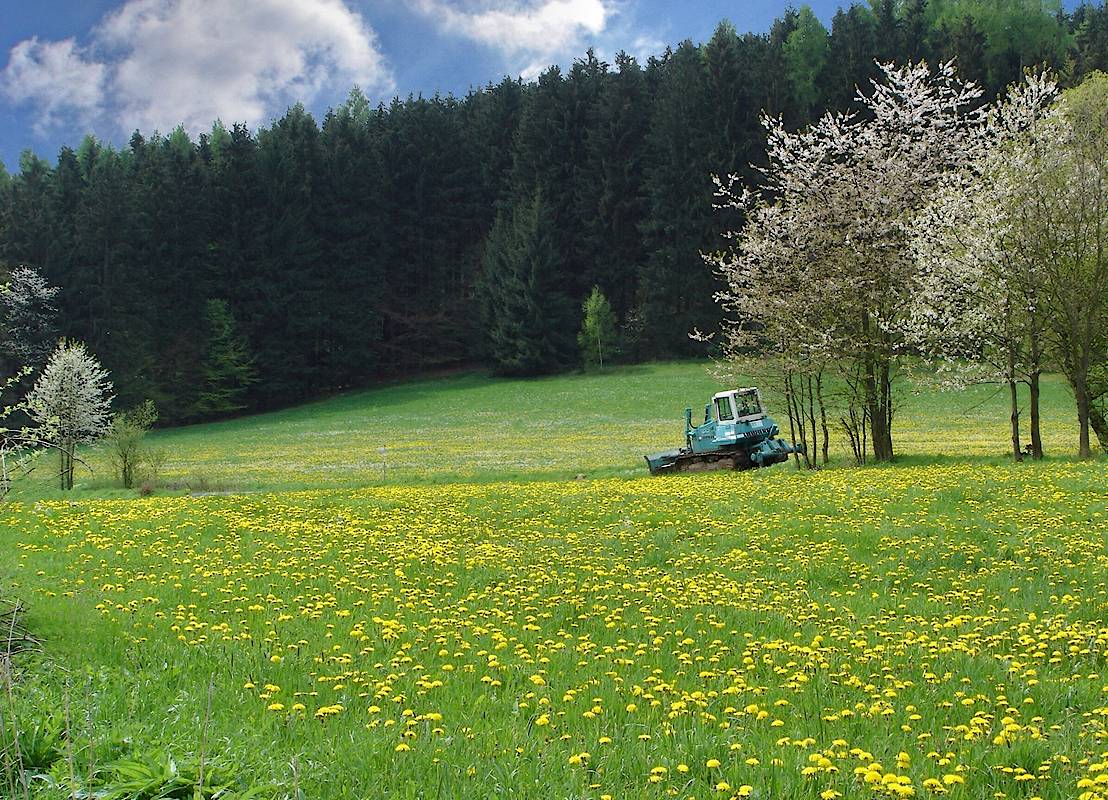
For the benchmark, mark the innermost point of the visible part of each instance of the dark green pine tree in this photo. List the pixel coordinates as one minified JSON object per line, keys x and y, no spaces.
{"x":850,"y":58}
{"x":1090,"y":26}
{"x":169,"y":245}
{"x":111,"y":285}
{"x":351,"y":205}
{"x":529,"y":323}
{"x":432,"y":223}
{"x":550,"y":155}
{"x":227,"y":370}
{"x":915,"y":31}
{"x":288,"y":301}
{"x":237,"y":229}
{"x":66,"y":190}
{"x":27,"y":232}
{"x":612,"y":198}
{"x":491,"y":118}
{"x":675,"y":285}
{"x":886,"y":29}
{"x":965,"y":43}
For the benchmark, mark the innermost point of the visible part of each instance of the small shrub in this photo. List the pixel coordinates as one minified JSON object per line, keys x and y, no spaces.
{"x":124,"y":440}
{"x":153,"y":459}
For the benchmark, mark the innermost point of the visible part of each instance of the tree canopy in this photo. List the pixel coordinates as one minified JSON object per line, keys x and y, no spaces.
{"x":356,"y":247}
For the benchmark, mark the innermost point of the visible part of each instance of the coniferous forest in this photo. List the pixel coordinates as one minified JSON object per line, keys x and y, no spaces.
{"x":249,"y":269}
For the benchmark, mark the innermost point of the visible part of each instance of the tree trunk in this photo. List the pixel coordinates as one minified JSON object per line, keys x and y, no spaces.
{"x":1036,"y":436}
{"x":812,"y":463}
{"x":877,"y":399}
{"x":1017,"y":450}
{"x":823,"y":416}
{"x":792,"y":425}
{"x":1035,"y":357}
{"x":1099,"y":424}
{"x":1083,"y":448}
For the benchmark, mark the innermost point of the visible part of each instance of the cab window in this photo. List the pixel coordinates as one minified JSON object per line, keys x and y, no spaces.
{"x":748,"y":404}
{"x":723,"y":409}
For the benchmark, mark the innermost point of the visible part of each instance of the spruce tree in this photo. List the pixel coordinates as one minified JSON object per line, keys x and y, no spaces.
{"x":227,"y":370}
{"x":676,"y":286}
{"x":851,"y":55}
{"x":528,"y":320}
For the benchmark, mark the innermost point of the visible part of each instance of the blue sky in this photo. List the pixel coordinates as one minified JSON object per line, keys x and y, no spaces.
{"x":70,"y":67}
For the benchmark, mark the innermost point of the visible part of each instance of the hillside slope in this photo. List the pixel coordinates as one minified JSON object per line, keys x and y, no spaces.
{"x":477,"y":428}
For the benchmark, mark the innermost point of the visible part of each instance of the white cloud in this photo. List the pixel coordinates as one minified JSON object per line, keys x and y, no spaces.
{"x":160,"y":63}
{"x":55,"y":77}
{"x":534,"y":32}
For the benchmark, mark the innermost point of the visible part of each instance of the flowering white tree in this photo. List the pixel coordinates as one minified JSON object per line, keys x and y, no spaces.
{"x":71,"y":403}
{"x":26,"y":317}
{"x":1062,"y":176}
{"x":1013,"y":253}
{"x":822,"y":273}
{"x":978,"y":312}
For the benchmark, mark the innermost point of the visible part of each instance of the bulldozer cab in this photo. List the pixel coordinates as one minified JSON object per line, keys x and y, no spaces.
{"x":738,"y":405}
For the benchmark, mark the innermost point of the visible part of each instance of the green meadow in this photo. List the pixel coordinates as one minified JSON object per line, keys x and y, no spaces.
{"x":291,"y":616}
{"x":476,"y":428}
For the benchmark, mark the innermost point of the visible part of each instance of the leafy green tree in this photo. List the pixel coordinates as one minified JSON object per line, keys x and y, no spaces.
{"x":806,"y":52}
{"x":227,"y":371}
{"x":597,"y":337}
{"x":528,"y":320}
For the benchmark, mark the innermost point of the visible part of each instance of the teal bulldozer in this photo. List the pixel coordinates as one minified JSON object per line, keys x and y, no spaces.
{"x":736,"y":434}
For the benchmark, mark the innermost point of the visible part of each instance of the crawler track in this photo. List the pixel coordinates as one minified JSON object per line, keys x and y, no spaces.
{"x":688,"y":461}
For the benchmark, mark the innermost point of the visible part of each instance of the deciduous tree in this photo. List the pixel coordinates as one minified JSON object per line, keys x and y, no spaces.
{"x":71,"y":403}
{"x":822,"y":272}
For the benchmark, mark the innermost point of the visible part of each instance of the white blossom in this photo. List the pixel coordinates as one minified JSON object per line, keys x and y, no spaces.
{"x":71,"y":402}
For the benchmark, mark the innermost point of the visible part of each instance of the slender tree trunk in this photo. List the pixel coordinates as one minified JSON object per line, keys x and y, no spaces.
{"x":789,"y":408}
{"x":865,"y":432}
{"x":1035,"y":357}
{"x":1036,"y":435}
{"x":1017,"y":449}
{"x":823,"y":414}
{"x":812,"y":463}
{"x":887,"y":385}
{"x":69,"y":465}
{"x":796,"y":410}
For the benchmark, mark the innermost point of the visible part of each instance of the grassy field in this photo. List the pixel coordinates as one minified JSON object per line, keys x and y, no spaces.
{"x":935,"y":627}
{"x":475,"y":428}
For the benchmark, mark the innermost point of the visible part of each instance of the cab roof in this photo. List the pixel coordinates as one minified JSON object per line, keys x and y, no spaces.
{"x":729,"y":392}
